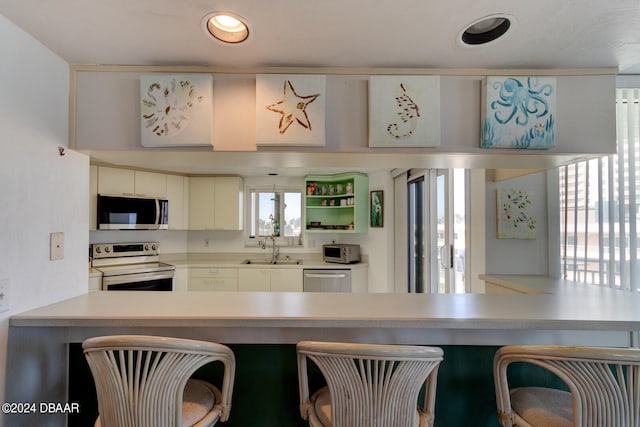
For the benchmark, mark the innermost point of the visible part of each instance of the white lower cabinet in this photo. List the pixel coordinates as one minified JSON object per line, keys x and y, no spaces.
{"x":254,"y":279}
{"x":270,"y":279}
{"x":213,"y":279}
{"x":286,"y":280}
{"x":95,"y":282}
{"x":181,"y":278}
{"x":93,"y":197}
{"x":359,"y":280}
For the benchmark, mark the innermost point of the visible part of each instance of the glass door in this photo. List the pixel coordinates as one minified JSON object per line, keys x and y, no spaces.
{"x":448,"y":248}
{"x":416,"y":234}
{"x":442,"y":244}
{"x":436,"y":201}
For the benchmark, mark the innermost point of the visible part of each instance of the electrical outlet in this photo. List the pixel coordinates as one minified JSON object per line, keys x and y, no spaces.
{"x":56,"y":250}
{"x":4,"y":295}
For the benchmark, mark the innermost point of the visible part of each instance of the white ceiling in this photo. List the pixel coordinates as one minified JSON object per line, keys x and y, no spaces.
{"x":337,"y":33}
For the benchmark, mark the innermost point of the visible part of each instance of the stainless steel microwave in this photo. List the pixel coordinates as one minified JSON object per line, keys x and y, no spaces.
{"x":341,"y":253}
{"x":132,"y":213}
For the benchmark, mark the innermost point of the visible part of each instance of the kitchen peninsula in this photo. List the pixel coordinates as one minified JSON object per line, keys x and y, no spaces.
{"x":569,"y":314}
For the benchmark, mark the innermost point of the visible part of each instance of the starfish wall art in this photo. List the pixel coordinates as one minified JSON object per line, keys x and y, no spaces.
{"x":290,"y":109}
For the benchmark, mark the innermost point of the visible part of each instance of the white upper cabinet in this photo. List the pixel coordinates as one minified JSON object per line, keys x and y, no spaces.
{"x":201,"y":203}
{"x":195,"y":203}
{"x":178,"y":196}
{"x":128,"y":182}
{"x":215,"y":203}
{"x":150,"y":184}
{"x":228,"y":203}
{"x":114,"y":181}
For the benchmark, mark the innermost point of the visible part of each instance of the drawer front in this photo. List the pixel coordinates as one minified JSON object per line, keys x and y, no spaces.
{"x":223,"y":284}
{"x":213,"y":272}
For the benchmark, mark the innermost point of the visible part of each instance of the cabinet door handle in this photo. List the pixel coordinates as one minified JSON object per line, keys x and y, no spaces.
{"x":325,"y":276}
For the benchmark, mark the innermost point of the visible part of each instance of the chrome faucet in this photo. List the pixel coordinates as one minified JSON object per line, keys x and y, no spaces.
{"x":275,"y":250}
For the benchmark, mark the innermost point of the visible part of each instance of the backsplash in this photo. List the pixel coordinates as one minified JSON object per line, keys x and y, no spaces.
{"x":219,"y":241}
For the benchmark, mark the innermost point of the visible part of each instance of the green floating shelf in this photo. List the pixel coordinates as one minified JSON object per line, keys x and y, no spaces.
{"x":349,"y":193}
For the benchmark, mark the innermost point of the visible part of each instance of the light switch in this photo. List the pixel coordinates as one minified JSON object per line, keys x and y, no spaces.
{"x":57,"y":246}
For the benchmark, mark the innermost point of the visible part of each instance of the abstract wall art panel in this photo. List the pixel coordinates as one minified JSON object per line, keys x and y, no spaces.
{"x":176,"y":110}
{"x":518,"y":112}
{"x":404,"y":111}
{"x":290,"y":109}
{"x":514,"y":215}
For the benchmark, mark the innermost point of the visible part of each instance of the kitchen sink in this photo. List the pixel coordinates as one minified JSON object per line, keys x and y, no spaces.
{"x":268,"y":262}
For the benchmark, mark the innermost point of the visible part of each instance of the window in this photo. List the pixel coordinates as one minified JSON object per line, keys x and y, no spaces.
{"x":599,"y":211}
{"x":275,"y":213}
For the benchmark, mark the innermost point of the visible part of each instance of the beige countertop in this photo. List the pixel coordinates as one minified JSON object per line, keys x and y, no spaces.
{"x":579,"y":308}
{"x":534,"y":284}
{"x":218,"y":260}
{"x":567,"y":313}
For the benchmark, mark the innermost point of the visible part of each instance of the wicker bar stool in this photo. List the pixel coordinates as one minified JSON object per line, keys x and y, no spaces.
{"x":604,"y":387}
{"x":369,"y":385}
{"x":144,"y":381}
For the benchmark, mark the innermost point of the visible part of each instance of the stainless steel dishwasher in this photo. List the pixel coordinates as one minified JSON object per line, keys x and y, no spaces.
{"x":333,"y":280}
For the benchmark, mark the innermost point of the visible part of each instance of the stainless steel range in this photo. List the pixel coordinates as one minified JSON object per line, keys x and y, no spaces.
{"x":131,"y":267}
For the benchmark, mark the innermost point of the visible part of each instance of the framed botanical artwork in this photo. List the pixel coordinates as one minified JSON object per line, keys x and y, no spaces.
{"x":176,"y":110}
{"x":404,"y":111}
{"x":376,"y":208}
{"x":514,"y":219}
{"x":290,"y":109}
{"x":518,"y":112}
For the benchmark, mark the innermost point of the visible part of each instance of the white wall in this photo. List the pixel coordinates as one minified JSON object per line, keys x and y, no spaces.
{"x":42,"y":192}
{"x":585,"y":111}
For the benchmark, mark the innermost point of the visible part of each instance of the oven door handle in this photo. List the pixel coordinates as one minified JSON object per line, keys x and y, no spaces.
{"x":137,"y":277}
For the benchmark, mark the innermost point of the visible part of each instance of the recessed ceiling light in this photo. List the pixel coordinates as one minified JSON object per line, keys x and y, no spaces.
{"x":486,"y":30}
{"x":226,"y":27}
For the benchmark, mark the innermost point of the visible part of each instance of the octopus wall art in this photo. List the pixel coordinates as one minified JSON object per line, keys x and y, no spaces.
{"x":290,"y":109}
{"x":404,"y":111}
{"x":176,"y":110}
{"x":518,"y":112}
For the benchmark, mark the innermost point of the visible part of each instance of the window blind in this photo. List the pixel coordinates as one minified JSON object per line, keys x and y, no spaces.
{"x":599,"y":211}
